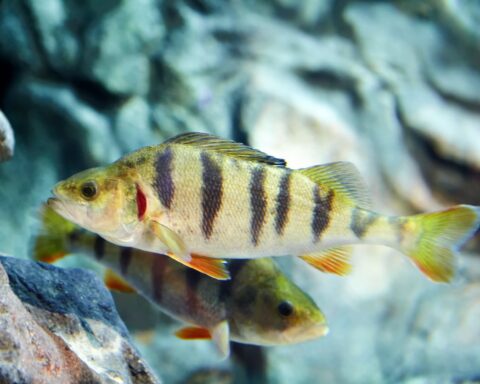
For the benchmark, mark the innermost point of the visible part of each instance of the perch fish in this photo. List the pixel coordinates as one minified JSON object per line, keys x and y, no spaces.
{"x":259,"y":305}
{"x":200,"y":199}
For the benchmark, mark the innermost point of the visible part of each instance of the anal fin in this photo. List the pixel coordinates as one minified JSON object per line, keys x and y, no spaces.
{"x":193,"y":333}
{"x":220,"y":334}
{"x":116,"y":283}
{"x":216,"y":268}
{"x":331,"y":260}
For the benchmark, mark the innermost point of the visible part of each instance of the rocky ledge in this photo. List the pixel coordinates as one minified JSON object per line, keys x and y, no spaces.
{"x":6,"y":138}
{"x":61,"y":326}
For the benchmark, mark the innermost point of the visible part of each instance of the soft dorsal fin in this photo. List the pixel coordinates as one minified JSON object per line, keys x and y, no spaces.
{"x":225,"y":147}
{"x":344,"y":178}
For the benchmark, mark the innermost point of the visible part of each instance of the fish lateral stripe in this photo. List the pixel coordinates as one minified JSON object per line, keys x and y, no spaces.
{"x":141,"y":203}
{"x":158,"y":271}
{"x":361,"y":220}
{"x":321,"y":212}
{"x":282,"y":207}
{"x":164,"y":184}
{"x":125,"y":259}
{"x":258,"y":203}
{"x":212,"y":192}
{"x":99,"y":247}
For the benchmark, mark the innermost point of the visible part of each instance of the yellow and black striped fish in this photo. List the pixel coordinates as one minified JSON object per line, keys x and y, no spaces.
{"x":199,"y":199}
{"x":259,"y":305}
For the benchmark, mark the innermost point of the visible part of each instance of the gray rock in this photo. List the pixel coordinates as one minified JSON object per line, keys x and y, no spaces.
{"x":305,"y":14}
{"x":57,"y":110}
{"x":61,"y":326}
{"x":376,"y":28}
{"x":50,"y":22}
{"x":455,"y":80}
{"x":461,"y":20}
{"x":451,"y":130}
{"x":17,"y":42}
{"x":380,"y":123}
{"x":437,"y":334}
{"x":7,"y":140}
{"x":132,"y":125}
{"x":118,"y":47}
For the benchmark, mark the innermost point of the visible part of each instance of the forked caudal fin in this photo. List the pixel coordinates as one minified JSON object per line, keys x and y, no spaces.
{"x":435,"y":237}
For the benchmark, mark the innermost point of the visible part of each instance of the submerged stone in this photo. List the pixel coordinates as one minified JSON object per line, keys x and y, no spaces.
{"x":7,"y":141}
{"x":61,"y":326}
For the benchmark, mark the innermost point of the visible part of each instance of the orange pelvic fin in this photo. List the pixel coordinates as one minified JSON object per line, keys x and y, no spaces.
{"x":216,"y":268}
{"x":331,"y":260}
{"x":116,"y":283}
{"x":193,"y":333}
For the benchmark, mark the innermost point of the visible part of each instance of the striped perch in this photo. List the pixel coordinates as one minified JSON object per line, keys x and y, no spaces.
{"x":259,"y":305}
{"x":200,"y":199}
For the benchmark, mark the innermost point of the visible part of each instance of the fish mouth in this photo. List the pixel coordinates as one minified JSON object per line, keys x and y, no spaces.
{"x":58,"y":206}
{"x":54,"y":203}
{"x":322,"y":331}
{"x":314,"y":332}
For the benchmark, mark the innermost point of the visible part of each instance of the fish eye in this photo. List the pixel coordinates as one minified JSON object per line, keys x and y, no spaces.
{"x":285,"y":308}
{"x":88,"y":190}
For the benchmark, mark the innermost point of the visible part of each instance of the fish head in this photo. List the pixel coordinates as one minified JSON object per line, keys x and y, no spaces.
{"x":269,"y":309}
{"x":98,"y":199}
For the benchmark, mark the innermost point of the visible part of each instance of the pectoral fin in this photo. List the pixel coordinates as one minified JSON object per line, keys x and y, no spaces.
{"x":331,"y":260}
{"x":116,"y":283}
{"x":215,"y":268}
{"x":193,"y":333}
{"x":221,"y":338}
{"x":171,"y":240}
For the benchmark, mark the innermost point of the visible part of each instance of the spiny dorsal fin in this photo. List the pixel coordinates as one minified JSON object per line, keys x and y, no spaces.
{"x":225,"y":147}
{"x":343,"y":177}
{"x":331,"y":260}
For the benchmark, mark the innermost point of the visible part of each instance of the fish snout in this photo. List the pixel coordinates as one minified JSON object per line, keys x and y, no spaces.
{"x":321,"y":330}
{"x":310,"y":332}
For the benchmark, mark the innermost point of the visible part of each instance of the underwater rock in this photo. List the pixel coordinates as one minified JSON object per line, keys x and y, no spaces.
{"x":456,"y":80}
{"x":461,"y":21}
{"x":58,"y":110}
{"x":433,"y":343}
{"x":7,"y":140}
{"x":134,"y":116}
{"x":305,"y":14}
{"x":440,"y":122}
{"x":379,"y":119}
{"x":17,"y":42}
{"x":61,"y":326}
{"x":118,"y":46}
{"x":49,"y":21}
